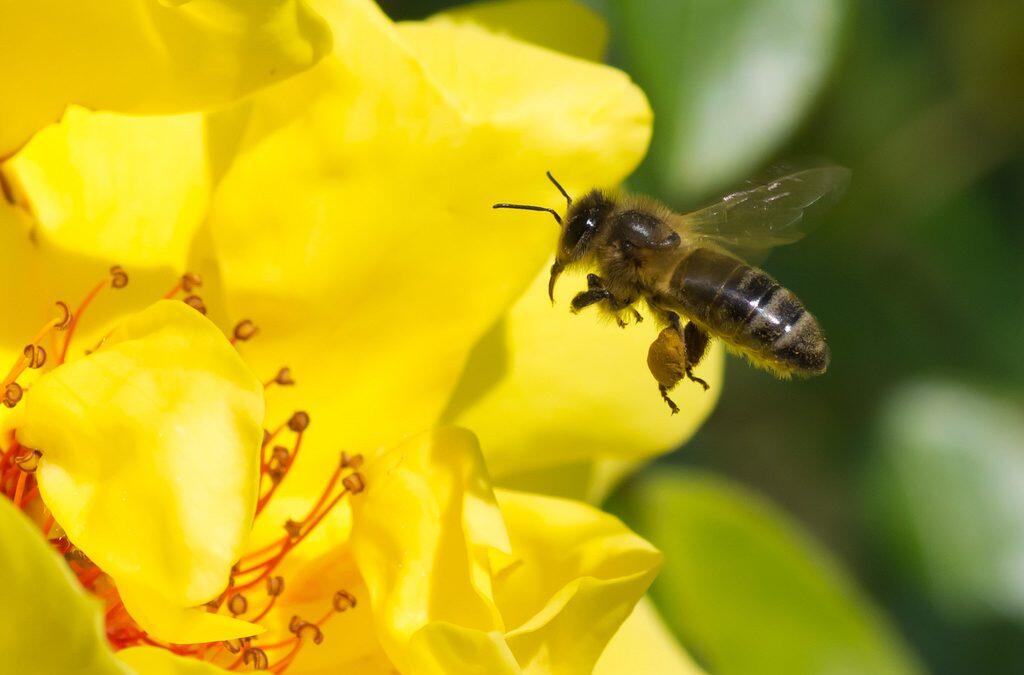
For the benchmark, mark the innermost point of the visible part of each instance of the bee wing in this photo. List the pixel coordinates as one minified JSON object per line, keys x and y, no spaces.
{"x":769,"y":214}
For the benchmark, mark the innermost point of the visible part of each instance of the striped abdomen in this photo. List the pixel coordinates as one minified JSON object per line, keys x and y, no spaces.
{"x":749,"y":310}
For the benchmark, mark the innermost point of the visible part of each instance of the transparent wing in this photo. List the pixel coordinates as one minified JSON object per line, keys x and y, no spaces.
{"x":771,"y":213}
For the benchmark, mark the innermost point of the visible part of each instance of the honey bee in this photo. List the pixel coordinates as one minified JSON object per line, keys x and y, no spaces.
{"x":692,"y":266}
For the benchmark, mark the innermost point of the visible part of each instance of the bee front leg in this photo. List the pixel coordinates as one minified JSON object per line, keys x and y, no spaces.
{"x":596,"y":292}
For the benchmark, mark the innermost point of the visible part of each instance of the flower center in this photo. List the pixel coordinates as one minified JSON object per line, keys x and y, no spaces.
{"x":253,"y":575}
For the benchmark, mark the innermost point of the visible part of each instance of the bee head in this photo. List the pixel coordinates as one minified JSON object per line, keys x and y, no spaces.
{"x":583,"y":221}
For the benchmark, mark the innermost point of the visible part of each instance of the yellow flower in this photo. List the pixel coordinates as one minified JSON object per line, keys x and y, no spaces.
{"x":346,"y":209}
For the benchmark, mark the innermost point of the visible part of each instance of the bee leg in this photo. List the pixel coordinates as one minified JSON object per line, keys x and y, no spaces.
{"x":664,"y":395}
{"x":696,"y":341}
{"x":588,"y":298}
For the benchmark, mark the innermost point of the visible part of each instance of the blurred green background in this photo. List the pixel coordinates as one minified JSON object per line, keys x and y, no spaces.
{"x":869,"y":521}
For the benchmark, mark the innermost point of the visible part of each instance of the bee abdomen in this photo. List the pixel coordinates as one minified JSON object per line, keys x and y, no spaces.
{"x":748,"y":309}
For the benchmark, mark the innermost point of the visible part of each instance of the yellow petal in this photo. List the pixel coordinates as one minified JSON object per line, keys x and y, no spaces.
{"x":441,"y":648}
{"x":563,"y":25}
{"x":581,"y":573}
{"x":150,"y":455}
{"x":357,"y":227}
{"x":154,"y":661}
{"x":644,"y":645}
{"x":146,"y":56}
{"x":572,"y":388}
{"x":127,"y":190}
{"x":166,"y":619}
{"x":421,"y":535}
{"x":48,"y":623}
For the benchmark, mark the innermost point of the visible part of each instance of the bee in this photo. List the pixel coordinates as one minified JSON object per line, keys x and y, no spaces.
{"x":693,"y":267}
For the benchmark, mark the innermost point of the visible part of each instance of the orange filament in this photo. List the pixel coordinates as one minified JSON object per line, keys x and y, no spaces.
{"x":30,"y":355}
{"x":187,"y":282}
{"x":77,"y":315}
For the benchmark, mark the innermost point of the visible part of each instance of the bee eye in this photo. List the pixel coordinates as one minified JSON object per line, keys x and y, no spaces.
{"x":579,"y":229}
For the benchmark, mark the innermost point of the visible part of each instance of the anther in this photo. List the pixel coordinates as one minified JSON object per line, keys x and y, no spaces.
{"x":343,"y":600}
{"x":238,"y":604}
{"x":310,"y":630}
{"x":118,"y":277}
{"x":256,"y":657}
{"x":293,"y":528}
{"x":298,"y":422}
{"x":65,"y":316}
{"x":354,"y":483}
{"x":36,"y":356}
{"x":233,"y":646}
{"x":353,"y":462}
{"x":245,"y":330}
{"x":284,"y":377}
{"x":28,"y":461}
{"x":190,"y":281}
{"x":295,"y":624}
{"x":280,"y":458}
{"x":275,"y":586}
{"x":196,"y":303}
{"x":12,"y":394}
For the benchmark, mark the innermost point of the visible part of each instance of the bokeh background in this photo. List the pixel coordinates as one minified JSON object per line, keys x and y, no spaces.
{"x":869,"y":521}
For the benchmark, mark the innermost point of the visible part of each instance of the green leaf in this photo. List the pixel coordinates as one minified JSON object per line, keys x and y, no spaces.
{"x":48,"y":622}
{"x":748,"y":592}
{"x":949,"y":476}
{"x":728,"y":80}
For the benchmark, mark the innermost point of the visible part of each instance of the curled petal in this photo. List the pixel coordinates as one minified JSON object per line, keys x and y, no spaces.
{"x":580,"y":573}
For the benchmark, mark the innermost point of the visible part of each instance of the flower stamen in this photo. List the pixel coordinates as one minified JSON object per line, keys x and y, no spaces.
{"x":117,"y":279}
{"x":187,"y":283}
{"x":33,"y":356}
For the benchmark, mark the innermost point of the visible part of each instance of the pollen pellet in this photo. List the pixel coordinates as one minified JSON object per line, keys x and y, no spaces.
{"x":343,"y":600}
{"x":667,"y":358}
{"x":238,"y":604}
{"x":299,"y":421}
{"x":354,"y":483}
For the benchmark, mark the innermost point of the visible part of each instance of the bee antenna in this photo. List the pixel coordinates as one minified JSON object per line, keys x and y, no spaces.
{"x":528,"y":207}
{"x":561,"y":189}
